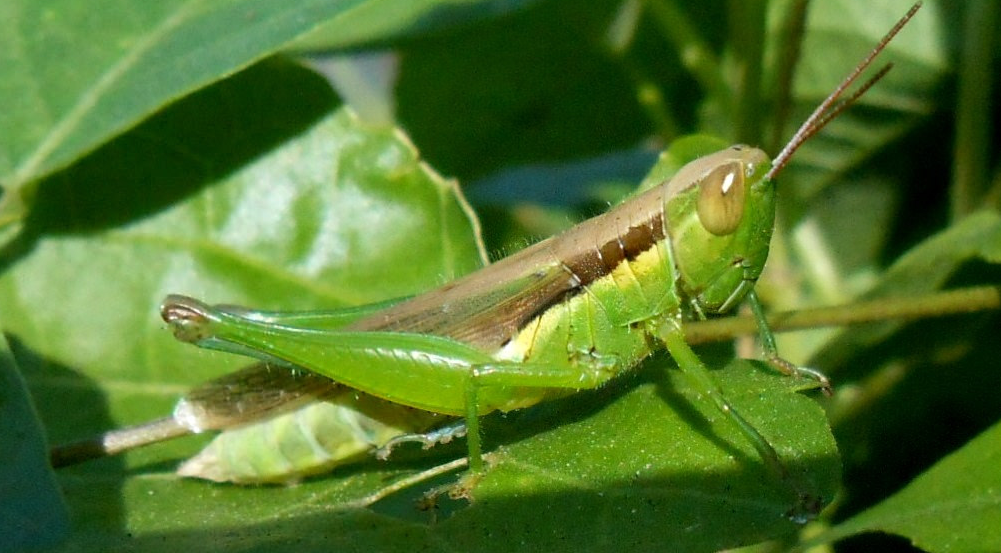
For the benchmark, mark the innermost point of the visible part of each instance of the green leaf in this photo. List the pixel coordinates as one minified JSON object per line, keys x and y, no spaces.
{"x":562,"y":473}
{"x":416,"y":18}
{"x":77,"y":74}
{"x":866,"y":150}
{"x":33,"y":513}
{"x":954,"y":506}
{"x":649,"y":461}
{"x":223,"y":219}
{"x":838,"y":34}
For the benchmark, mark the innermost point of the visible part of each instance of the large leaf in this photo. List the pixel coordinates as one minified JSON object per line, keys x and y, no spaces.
{"x":76,"y":74}
{"x":954,"y":506}
{"x":562,"y":478}
{"x":33,"y":513}
{"x":292,"y":228}
{"x":520,"y":89}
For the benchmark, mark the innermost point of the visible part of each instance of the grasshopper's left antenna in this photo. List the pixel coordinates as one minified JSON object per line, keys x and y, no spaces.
{"x":831,"y":107}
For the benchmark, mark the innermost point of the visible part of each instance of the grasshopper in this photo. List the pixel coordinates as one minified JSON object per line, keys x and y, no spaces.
{"x":566,"y":314}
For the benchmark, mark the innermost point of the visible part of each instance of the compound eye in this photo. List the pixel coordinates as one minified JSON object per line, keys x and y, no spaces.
{"x":721,"y":199}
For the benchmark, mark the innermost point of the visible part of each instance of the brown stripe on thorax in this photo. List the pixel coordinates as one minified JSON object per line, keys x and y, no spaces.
{"x":593,"y":263}
{"x":601,"y":244}
{"x":588,"y":264}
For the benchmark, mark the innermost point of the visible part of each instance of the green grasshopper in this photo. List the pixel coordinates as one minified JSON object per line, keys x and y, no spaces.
{"x":566,"y":314}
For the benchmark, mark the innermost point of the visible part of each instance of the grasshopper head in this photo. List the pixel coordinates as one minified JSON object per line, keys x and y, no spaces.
{"x":719,"y":214}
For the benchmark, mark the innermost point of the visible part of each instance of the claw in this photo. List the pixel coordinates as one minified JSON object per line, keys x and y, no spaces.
{"x":791,"y":369}
{"x":427,"y":440}
{"x":186,"y":316}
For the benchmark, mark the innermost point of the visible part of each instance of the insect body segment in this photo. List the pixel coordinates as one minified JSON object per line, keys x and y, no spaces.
{"x":639,"y":273}
{"x":345,"y":426}
{"x":716,"y":268}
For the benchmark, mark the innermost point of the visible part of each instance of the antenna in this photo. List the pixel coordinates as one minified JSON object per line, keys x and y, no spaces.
{"x":831,"y":107}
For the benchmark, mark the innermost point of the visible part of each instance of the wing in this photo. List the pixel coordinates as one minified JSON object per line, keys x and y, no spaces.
{"x":484,"y":309}
{"x":254,"y":392}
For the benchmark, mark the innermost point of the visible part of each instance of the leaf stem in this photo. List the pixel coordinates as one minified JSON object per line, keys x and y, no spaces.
{"x":964,"y":300}
{"x":973,"y":111}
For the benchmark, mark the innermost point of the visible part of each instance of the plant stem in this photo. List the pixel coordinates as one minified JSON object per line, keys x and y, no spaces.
{"x":964,"y":300}
{"x":747,"y":38}
{"x":790,"y":47}
{"x":970,"y":151}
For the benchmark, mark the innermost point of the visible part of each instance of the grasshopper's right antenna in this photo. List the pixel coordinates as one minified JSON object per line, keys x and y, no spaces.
{"x":830,"y":107}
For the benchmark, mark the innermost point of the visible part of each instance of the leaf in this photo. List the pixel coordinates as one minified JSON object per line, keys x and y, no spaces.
{"x":838,"y":34}
{"x":416,"y":18}
{"x":33,"y":513}
{"x":869,"y":150}
{"x":681,"y":472}
{"x":277,"y":234}
{"x":295,"y":226}
{"x":562,"y":475}
{"x":94,"y":70}
{"x":953,"y":506}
